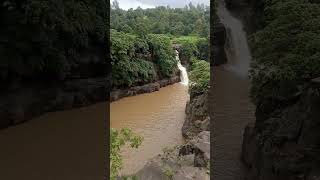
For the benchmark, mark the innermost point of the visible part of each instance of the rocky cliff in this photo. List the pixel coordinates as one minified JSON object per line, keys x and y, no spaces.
{"x":286,"y":144}
{"x":250,"y":12}
{"x":219,"y":36}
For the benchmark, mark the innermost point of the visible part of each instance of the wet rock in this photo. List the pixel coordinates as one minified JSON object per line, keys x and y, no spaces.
{"x":172,"y":165}
{"x":220,"y":56}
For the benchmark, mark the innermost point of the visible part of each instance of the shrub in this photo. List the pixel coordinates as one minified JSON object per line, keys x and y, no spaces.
{"x":193,"y":46}
{"x":117,"y":140}
{"x":164,"y":56}
{"x":199,"y":76}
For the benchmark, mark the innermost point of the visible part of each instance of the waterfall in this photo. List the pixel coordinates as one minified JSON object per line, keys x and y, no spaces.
{"x":183,"y":72}
{"x":237,"y":48}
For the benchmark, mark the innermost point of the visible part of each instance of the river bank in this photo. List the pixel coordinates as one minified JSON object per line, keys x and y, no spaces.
{"x":26,"y":102}
{"x":146,"y":88}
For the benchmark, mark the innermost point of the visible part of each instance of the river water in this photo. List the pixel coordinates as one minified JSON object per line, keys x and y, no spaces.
{"x":63,"y":145}
{"x":232,"y":108}
{"x":157,"y":117}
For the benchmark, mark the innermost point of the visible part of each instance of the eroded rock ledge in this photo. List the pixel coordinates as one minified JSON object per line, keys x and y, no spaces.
{"x":147,"y":88}
{"x":286,"y":146}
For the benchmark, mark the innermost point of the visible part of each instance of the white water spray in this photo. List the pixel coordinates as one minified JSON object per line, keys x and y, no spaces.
{"x":237,"y":48}
{"x":183,"y":72}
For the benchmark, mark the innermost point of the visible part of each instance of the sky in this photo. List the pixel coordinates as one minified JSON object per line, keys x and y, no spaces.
{"x":127,"y":4}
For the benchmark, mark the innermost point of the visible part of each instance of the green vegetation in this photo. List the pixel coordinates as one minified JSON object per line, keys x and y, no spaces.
{"x":199,"y":76}
{"x":119,"y":139}
{"x":43,"y":39}
{"x":135,"y":60}
{"x":168,"y":171}
{"x":130,"y":178}
{"x":193,"y":46}
{"x":286,"y":52}
{"x":164,"y":56}
{"x":142,"y":42}
{"x":162,"y":20}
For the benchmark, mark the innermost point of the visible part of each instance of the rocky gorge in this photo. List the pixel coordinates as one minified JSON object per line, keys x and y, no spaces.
{"x":190,"y":160}
{"x":285,"y":144}
{"x":283,"y":141}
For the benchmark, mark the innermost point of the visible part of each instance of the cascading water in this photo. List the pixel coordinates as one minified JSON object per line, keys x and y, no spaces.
{"x":183,"y":72}
{"x":237,"y":48}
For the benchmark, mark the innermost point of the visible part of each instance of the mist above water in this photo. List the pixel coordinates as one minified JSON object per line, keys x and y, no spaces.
{"x":237,"y":49}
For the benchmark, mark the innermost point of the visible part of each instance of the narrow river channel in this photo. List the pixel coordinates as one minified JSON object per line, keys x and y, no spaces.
{"x":232,"y":107}
{"x":158,"y":117}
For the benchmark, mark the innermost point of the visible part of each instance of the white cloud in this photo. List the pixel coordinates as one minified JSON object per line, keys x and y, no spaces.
{"x":127,"y":4}
{"x":144,"y":4}
{"x":174,"y":3}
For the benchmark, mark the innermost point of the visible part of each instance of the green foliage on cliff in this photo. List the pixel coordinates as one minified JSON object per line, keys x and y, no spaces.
{"x":162,"y":20}
{"x":119,"y":138}
{"x":199,"y":76}
{"x":163,"y":54}
{"x":286,"y":52}
{"x":45,"y":38}
{"x":135,"y":60}
{"x":193,"y":46}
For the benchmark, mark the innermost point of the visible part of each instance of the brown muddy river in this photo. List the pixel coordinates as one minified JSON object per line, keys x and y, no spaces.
{"x":65,"y":145}
{"x":157,"y":117}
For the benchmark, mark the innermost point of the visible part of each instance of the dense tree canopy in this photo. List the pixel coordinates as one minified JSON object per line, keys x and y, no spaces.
{"x":162,"y":20}
{"x":286,"y":52}
{"x":142,"y":41}
{"x":45,"y":38}
{"x":137,"y":61}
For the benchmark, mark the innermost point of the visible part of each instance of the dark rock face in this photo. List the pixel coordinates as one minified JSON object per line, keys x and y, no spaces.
{"x":219,"y":43}
{"x":26,"y":103}
{"x":147,"y":88}
{"x":200,"y":147}
{"x":250,"y":12}
{"x":197,"y":118}
{"x":287,"y":144}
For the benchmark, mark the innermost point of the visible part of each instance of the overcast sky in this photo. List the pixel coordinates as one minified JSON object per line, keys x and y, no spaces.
{"x":127,"y":4}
